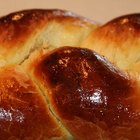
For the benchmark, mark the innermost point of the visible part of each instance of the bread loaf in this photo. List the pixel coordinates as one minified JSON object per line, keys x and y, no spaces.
{"x":59,"y":78}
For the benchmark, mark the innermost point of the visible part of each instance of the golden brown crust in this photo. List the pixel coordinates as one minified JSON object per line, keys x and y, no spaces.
{"x":88,"y":94}
{"x":21,"y":32}
{"x":24,"y":112}
{"x":18,"y":26}
{"x":119,"y":41}
{"x":121,"y":29}
{"x":50,"y":92}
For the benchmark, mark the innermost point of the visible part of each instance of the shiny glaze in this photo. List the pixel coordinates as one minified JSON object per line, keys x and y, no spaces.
{"x":85,"y":85}
{"x":24,"y":113}
{"x":16,"y":27}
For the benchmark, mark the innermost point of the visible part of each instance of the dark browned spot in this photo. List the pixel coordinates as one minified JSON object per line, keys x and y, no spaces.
{"x":83,"y":84}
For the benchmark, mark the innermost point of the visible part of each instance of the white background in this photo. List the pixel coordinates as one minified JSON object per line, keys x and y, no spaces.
{"x":98,"y":10}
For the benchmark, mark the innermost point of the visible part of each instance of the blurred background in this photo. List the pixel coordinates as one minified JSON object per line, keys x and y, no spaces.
{"x":97,"y":10}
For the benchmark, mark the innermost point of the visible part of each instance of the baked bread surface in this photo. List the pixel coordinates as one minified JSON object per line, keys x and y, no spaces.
{"x":119,"y":41}
{"x":23,"y":32}
{"x":64,"y":77}
{"x":90,"y":96}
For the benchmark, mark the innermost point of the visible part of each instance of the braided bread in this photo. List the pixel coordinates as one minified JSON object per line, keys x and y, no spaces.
{"x":63,"y":76}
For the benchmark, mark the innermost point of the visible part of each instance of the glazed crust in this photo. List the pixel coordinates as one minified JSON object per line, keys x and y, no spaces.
{"x":91,"y":97}
{"x":119,"y":41}
{"x":18,"y":26}
{"x":53,"y":88}
{"x":24,"y":31}
{"x":24,"y":112}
